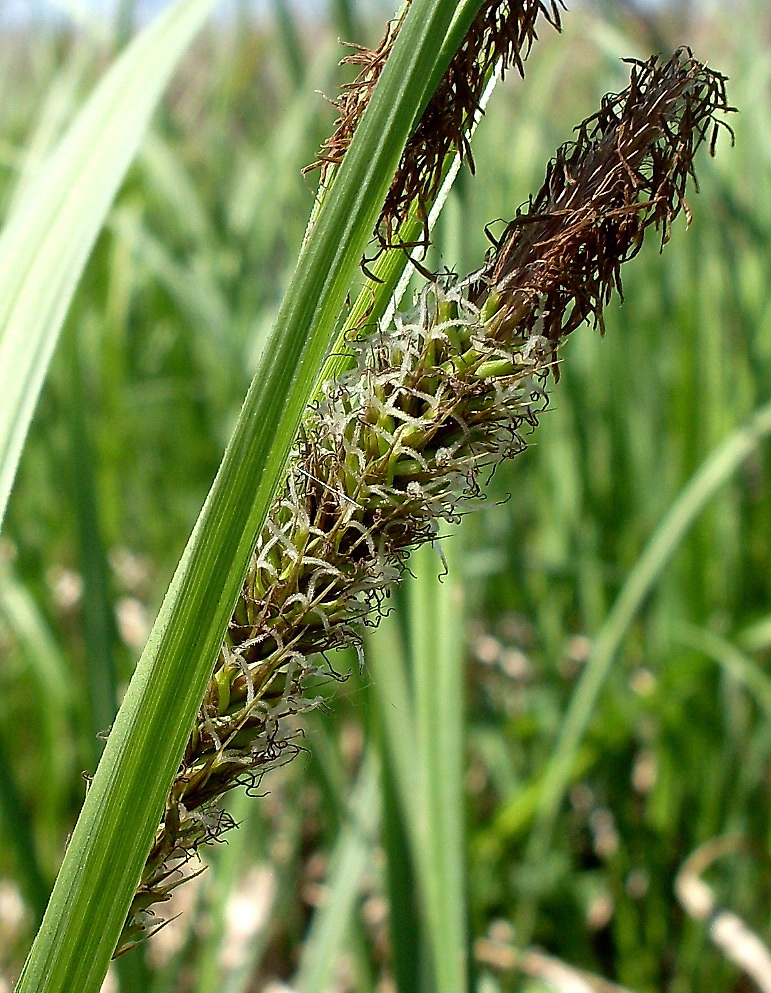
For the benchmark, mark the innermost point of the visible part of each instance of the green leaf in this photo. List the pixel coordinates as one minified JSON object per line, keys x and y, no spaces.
{"x":99,"y":628}
{"x":49,"y":685}
{"x":121,"y":812}
{"x":436,"y":618}
{"x":423,"y":734}
{"x":403,"y":809}
{"x":49,"y":236}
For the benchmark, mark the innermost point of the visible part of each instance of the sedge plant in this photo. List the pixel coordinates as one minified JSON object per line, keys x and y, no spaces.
{"x":403,"y":440}
{"x":395,"y":444}
{"x":127,"y":795}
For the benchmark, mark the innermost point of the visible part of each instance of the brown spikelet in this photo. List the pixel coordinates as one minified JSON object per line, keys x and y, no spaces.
{"x":560,"y":259}
{"x":400,"y":442}
{"x":501,"y":34}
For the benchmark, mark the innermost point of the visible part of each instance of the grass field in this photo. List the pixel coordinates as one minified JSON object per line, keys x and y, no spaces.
{"x":537,"y":744}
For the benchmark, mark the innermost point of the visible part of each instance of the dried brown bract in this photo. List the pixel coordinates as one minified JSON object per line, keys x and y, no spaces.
{"x":400,"y":442}
{"x":559,"y":260}
{"x":501,"y":33}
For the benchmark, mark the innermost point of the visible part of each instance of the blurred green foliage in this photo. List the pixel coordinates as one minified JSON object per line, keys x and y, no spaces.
{"x":159,"y":348}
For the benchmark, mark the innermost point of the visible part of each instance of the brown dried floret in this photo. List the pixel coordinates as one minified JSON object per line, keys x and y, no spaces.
{"x":399,"y":443}
{"x":501,"y":34}
{"x":560,"y":259}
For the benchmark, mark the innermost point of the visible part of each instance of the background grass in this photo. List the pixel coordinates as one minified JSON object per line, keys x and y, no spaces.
{"x":159,"y":348}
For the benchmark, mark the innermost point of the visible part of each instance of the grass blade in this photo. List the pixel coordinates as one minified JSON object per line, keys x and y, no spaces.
{"x":125,"y":15}
{"x":47,"y":240}
{"x":738,"y":665}
{"x":388,"y":664}
{"x":437,"y":640}
{"x":423,"y":739}
{"x":346,"y":19}
{"x":49,"y":683}
{"x":230,"y":860}
{"x":290,"y":42}
{"x":99,"y":629}
{"x":396,"y":733}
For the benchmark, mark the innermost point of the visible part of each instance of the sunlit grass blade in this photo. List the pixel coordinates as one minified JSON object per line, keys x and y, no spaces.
{"x":52,"y":118}
{"x":124,"y":803}
{"x":712,"y":474}
{"x":46,"y":242}
{"x":757,"y":636}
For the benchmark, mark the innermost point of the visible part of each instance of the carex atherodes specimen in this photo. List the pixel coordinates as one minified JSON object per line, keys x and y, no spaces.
{"x":400,"y":442}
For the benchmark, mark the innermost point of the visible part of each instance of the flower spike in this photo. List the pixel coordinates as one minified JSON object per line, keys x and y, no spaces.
{"x":399,"y":443}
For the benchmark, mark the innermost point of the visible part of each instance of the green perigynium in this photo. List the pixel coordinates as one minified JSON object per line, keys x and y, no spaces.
{"x":398,"y":443}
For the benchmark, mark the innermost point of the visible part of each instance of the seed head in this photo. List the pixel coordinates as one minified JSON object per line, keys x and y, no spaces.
{"x":560,"y":259}
{"x":400,"y":442}
{"x":501,"y":34}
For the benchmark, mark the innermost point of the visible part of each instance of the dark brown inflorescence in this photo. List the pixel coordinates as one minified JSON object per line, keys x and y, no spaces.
{"x":398,"y":443}
{"x":501,"y":34}
{"x":560,"y":259}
